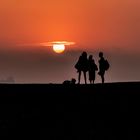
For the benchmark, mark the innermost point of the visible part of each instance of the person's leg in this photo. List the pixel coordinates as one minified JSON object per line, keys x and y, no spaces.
{"x":103,"y":80}
{"x":79,"y":77}
{"x":89,"y":76}
{"x":85,"y":77}
{"x":94,"y":78}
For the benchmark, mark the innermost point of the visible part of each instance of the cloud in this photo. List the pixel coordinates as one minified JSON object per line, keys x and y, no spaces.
{"x":57,"y":42}
{"x":46,"y":44}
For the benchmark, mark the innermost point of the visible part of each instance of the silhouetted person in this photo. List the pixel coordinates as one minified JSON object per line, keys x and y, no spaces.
{"x":92,"y":68}
{"x":82,"y":66}
{"x":103,"y":66}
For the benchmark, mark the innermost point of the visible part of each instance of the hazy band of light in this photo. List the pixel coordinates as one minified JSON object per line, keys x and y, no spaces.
{"x":47,"y":43}
{"x":57,"y":43}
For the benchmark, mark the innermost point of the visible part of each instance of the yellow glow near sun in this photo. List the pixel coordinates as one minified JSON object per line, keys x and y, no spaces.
{"x":58,"y":48}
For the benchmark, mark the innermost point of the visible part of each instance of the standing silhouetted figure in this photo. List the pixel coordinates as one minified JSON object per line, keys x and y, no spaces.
{"x":92,"y":68}
{"x":82,"y":66}
{"x":103,"y":66}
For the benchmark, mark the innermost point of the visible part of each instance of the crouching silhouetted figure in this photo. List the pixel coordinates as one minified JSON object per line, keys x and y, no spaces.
{"x":82,"y":66}
{"x":103,"y":66}
{"x":92,"y":68}
{"x":68,"y":82}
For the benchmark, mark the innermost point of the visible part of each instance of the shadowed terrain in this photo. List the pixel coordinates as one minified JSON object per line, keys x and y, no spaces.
{"x":81,"y":112}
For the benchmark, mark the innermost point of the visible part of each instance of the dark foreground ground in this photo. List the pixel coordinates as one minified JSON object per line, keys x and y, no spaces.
{"x":66,"y":112}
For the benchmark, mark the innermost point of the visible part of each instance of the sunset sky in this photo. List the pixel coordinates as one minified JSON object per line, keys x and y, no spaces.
{"x":112,"y":26}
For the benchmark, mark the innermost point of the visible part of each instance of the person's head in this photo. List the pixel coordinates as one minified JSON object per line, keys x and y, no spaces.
{"x":101,"y":54}
{"x":84,"y":54}
{"x":73,"y":81}
{"x":90,"y":57}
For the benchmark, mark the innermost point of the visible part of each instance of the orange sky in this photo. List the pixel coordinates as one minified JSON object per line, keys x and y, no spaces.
{"x":87,"y":22}
{"x":112,"y":26}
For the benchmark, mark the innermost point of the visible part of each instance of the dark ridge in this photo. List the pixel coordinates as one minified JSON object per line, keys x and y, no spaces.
{"x":81,"y":112}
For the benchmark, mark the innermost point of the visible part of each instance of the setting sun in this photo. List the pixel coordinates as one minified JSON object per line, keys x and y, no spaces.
{"x":58,"y":48}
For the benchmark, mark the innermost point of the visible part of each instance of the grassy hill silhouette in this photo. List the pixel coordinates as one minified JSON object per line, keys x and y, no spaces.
{"x":81,"y":112}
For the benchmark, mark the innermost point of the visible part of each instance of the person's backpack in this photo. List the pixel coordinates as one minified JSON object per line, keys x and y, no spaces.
{"x":96,"y":68}
{"x":106,"y":65}
{"x":77,"y":65}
